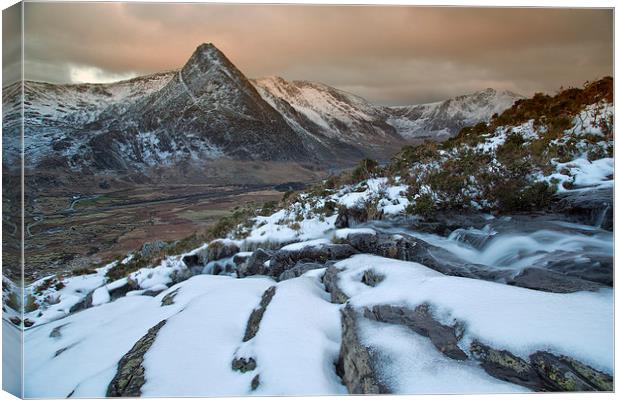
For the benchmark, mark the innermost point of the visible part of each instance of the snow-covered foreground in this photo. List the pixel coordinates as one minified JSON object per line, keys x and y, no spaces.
{"x":507,"y":317}
{"x":192,"y":355}
{"x":297,"y":344}
{"x":350,"y":289}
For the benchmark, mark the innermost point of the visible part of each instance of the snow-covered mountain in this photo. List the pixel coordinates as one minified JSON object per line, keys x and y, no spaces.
{"x":53,"y":113}
{"x":443,"y":119}
{"x":209,"y":110}
{"x":331,"y":116}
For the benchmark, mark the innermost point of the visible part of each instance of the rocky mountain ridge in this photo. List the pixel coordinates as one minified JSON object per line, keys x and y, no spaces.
{"x":209,"y":110}
{"x":444,"y":119}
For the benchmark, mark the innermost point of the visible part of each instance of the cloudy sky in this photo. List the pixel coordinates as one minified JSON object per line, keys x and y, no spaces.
{"x":389,"y":55}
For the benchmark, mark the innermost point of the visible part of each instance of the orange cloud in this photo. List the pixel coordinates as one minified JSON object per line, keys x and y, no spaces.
{"x":392,"y":55}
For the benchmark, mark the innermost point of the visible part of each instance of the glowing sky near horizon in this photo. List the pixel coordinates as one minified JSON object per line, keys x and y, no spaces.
{"x":389,"y":55}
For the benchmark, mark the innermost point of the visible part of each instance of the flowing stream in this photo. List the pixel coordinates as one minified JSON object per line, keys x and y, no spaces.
{"x":505,"y":244}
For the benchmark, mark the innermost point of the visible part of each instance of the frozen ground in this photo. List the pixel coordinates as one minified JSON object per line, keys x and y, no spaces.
{"x":370,"y":308}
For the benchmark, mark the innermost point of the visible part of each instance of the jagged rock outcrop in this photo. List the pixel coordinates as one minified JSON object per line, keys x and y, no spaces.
{"x":253,"y":324}
{"x":543,"y":371}
{"x":408,"y":248}
{"x":276,"y":263}
{"x":285,"y":259}
{"x":597,"y":268}
{"x":299,"y":269}
{"x":355,"y":363}
{"x":330,"y":281}
{"x":591,"y":207}
{"x":83,"y":304}
{"x":129,"y":377}
{"x":504,"y":365}
{"x":551,"y":281}
{"x":445,"y":338}
{"x":216,"y":250}
{"x":563,"y":373}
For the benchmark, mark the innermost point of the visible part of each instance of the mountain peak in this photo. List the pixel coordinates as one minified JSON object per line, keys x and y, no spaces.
{"x":208,"y":48}
{"x":205,"y":57}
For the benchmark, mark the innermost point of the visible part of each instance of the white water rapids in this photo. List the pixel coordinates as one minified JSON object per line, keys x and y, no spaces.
{"x":516,"y":248}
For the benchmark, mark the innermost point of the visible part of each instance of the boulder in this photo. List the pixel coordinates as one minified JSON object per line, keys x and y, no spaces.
{"x":255,"y":265}
{"x":240,"y":259}
{"x":122,"y":290}
{"x":551,"y":281}
{"x":356,"y":366}
{"x":591,"y":207}
{"x":408,"y":248}
{"x":192,"y":260}
{"x":218,"y":249}
{"x":504,"y":365}
{"x":330,"y":281}
{"x":563,"y":373}
{"x":283,"y":260}
{"x":372,"y":278}
{"x":150,"y":248}
{"x":299,"y":269}
{"x":83,"y":304}
{"x":592,"y":267}
{"x":445,"y":338}
{"x":275,"y":263}
{"x":243,"y":364}
{"x":180,"y":275}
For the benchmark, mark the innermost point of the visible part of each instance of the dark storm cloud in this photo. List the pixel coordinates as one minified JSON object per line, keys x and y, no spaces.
{"x":392,"y":55}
